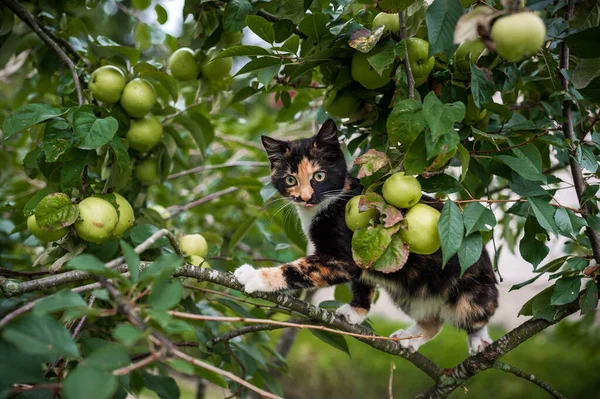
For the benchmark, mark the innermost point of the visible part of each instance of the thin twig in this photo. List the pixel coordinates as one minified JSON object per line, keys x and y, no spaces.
{"x":31,"y":21}
{"x":238,"y":164}
{"x":391,"y":381}
{"x":529,"y":377}
{"x":181,"y":112}
{"x":192,"y":316}
{"x":409,"y":75}
{"x":231,"y":376}
{"x":494,"y":201}
{"x":228,"y":336}
{"x":502,"y":149}
{"x":238,"y":140}
{"x":138,"y":365}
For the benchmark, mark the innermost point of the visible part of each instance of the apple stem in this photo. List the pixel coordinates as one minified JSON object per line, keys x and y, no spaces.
{"x":409,"y":75}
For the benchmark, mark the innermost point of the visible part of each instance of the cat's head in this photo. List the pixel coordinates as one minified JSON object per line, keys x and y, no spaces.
{"x":308,"y":171}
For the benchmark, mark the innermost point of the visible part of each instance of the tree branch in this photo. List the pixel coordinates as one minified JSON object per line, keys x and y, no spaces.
{"x":31,"y":21}
{"x":529,"y":377}
{"x":409,"y":75}
{"x":570,"y":136}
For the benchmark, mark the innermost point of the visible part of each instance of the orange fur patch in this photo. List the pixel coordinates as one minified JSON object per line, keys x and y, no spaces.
{"x":304,"y":189}
{"x":273,"y":276}
{"x":465,"y":308}
{"x":430,"y":328}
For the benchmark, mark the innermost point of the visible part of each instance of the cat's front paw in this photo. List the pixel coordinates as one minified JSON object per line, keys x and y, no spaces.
{"x":251,"y":278}
{"x":412,"y":344}
{"x":351,"y":314}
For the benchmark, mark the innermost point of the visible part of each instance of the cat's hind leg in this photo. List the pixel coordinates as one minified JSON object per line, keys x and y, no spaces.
{"x":357,"y":310}
{"x":478,"y":340}
{"x":421,"y":332}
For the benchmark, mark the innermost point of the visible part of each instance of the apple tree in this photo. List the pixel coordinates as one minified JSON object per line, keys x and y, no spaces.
{"x":133,"y":180}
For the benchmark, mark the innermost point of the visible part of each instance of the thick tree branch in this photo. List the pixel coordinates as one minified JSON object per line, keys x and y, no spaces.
{"x":570,"y":136}
{"x":30,"y":20}
{"x":457,"y":376}
{"x":529,"y":377}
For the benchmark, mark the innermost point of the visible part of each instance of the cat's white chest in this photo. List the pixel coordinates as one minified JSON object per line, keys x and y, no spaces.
{"x":306,"y":216}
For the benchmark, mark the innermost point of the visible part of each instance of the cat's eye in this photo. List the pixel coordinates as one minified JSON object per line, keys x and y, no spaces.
{"x":319,"y":176}
{"x":290,"y":180}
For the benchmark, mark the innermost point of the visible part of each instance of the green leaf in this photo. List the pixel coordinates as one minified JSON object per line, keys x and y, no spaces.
{"x":266,"y":75}
{"x":161,"y":14}
{"x":242,"y":51}
{"x":405,"y":123}
{"x":292,"y":10}
{"x":157,"y":77}
{"x":35,"y":200}
{"x":550,"y":267}
{"x":18,"y":367}
{"x":451,"y":230}
{"x":533,"y":250}
{"x":28,"y":115}
{"x":441,"y":19}
{"x":141,"y":232}
{"x":370,"y":162}
{"x":143,"y":36}
{"x":161,"y":268}
{"x":262,"y":28}
{"x":586,"y":158}
{"x":109,"y":47}
{"x":394,"y":6}
{"x":589,"y":300}
{"x":415,"y":159}
{"x":541,"y":308}
{"x":566,"y":290}
{"x":478,"y":218}
{"x":234,"y":15}
{"x":586,"y":15}
{"x":582,"y":43}
{"x":291,"y":45}
{"x":56,"y":211}
{"x":63,"y":299}
{"x":394,"y":257}
{"x":567,"y":222}
{"x":164,"y":387}
{"x":384,"y":57}
{"x":165,"y":294}
{"x":91,"y":264}
{"x":335,"y":340}
{"x":56,"y":143}
{"x":40,"y":335}
{"x":315,"y":26}
{"x":470,"y":251}
{"x":482,"y":85}
{"x":93,"y":132}
{"x":369,"y":244}
{"x":132,"y":259}
{"x":241,"y":231}
{"x":524,"y":167}
{"x":577,"y":263}
{"x":465,"y":158}
{"x":108,"y":357}
{"x":544,"y":212}
{"x":87,"y":381}
{"x":127,"y":334}
{"x":258,"y":63}
{"x":441,"y":183}
{"x":441,"y":117}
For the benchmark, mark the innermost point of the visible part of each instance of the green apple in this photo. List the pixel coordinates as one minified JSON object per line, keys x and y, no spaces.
{"x":97,"y":219}
{"x":193,"y":245}
{"x":217,"y":69}
{"x":146,"y":171}
{"x":356,"y":219}
{"x":45,"y":235}
{"x":107,"y":84}
{"x":363,"y":72}
{"x":518,"y":36}
{"x":472,"y":113}
{"x":126,"y":217}
{"x":390,"y":21}
{"x":342,"y":105}
{"x":198,"y":261}
{"x":474,"y":48}
{"x":145,"y":133}
{"x":232,"y":38}
{"x":138,"y":98}
{"x":183,"y":65}
{"x":418,"y":51}
{"x":422,"y":234}
{"x":401,"y":191}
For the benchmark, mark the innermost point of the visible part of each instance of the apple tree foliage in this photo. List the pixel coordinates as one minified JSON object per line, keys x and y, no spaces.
{"x":212,"y":171}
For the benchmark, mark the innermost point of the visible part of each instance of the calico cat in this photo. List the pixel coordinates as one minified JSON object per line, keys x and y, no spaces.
{"x":312,"y":173}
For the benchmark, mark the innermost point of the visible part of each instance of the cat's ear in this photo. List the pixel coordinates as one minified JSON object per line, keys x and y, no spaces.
{"x":327,"y":135}
{"x":275,"y":148}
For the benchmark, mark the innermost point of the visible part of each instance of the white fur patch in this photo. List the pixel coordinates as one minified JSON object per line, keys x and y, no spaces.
{"x":412,"y":344}
{"x":351,"y":314}
{"x":478,"y":340}
{"x":252,"y":279}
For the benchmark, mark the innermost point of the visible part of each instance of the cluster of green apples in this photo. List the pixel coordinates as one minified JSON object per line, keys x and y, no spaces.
{"x":420,"y":231}
{"x":195,"y":248}
{"x":344,"y":103}
{"x":98,"y":221}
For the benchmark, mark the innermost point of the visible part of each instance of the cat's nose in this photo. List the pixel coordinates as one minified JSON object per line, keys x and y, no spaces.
{"x":306,"y":197}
